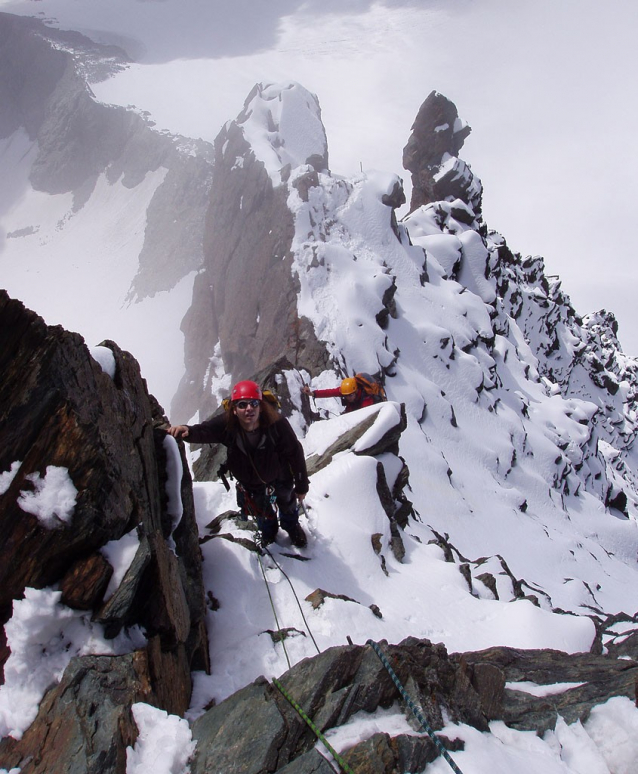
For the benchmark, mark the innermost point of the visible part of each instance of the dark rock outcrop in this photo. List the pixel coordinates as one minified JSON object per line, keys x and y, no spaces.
{"x":431,"y":155}
{"x":601,"y":678}
{"x":85,"y":723}
{"x":59,"y":409}
{"x":469,"y":688}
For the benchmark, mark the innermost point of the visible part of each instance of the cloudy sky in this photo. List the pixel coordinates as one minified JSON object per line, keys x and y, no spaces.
{"x":548,"y":86}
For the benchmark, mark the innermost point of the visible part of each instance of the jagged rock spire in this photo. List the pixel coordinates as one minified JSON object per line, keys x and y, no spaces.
{"x":431,"y":155}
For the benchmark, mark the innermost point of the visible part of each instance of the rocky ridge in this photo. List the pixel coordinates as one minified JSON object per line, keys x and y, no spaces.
{"x":63,"y":415}
{"x":107,"y":432}
{"x":249,"y":230}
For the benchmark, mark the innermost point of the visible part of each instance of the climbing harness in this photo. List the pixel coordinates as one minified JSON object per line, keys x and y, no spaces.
{"x":415,"y":710}
{"x":339,"y":760}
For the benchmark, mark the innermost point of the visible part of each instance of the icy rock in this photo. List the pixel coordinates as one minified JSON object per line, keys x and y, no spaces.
{"x":106,"y":434}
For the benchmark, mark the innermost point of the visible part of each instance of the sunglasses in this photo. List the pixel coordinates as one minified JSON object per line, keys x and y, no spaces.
{"x":243,"y":404}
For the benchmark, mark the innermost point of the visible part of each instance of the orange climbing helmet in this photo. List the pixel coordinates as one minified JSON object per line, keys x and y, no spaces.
{"x":246,"y":390}
{"x":348,"y":386}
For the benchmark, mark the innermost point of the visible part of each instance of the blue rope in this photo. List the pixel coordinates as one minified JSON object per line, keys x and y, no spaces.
{"x":415,"y":710}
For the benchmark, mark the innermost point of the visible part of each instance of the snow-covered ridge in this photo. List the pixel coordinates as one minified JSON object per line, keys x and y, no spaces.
{"x":282,"y":124}
{"x":476,"y":343}
{"x":493,"y":437}
{"x":519,"y":437}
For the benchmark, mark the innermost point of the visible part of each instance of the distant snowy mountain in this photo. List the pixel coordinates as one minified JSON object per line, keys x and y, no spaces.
{"x":512,"y":484}
{"x":99,"y":215}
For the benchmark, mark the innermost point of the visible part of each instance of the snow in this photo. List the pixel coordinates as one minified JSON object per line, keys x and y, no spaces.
{"x":487,"y":443}
{"x":52,"y":499}
{"x":43,"y":636}
{"x":363,"y":725}
{"x":389,"y":417}
{"x":283,"y":126}
{"x":120,"y":554}
{"x":8,"y":475}
{"x":499,"y":461}
{"x":164,"y":744}
{"x":541,"y":690}
{"x":89,"y":258}
{"x":105,"y":357}
{"x":605,"y":744}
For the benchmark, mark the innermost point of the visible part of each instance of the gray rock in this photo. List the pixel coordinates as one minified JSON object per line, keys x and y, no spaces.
{"x":84,"y":724}
{"x":603,"y":677}
{"x":437,"y":132}
{"x":229,"y":740}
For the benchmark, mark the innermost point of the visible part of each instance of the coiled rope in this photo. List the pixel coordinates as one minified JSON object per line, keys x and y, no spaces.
{"x":339,"y":760}
{"x":415,"y":710}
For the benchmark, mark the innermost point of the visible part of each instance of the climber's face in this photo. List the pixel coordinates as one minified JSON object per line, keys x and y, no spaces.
{"x":247,"y":413}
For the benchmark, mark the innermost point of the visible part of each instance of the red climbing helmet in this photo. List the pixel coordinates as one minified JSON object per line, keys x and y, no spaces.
{"x":246,"y":390}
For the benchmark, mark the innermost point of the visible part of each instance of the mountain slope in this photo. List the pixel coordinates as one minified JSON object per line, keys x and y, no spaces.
{"x":100,"y":216}
{"x":516,"y":467}
{"x":503,"y":512}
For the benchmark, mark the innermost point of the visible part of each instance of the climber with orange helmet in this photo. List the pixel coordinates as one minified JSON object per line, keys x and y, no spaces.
{"x":263,"y":454}
{"x":352,"y":396}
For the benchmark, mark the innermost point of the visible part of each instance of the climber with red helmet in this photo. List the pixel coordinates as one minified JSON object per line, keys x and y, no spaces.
{"x":263,"y":454}
{"x":352,"y":396}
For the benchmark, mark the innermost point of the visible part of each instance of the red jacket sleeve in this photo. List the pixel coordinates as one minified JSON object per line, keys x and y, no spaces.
{"x":333,"y":392}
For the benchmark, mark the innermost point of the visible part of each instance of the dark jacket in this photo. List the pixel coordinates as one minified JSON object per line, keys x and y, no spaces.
{"x":278,"y":455}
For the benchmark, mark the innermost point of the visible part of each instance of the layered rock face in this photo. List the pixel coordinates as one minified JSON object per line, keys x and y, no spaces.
{"x":45,"y":91}
{"x":84,"y":465}
{"x":474,"y":688}
{"x":244,"y":311}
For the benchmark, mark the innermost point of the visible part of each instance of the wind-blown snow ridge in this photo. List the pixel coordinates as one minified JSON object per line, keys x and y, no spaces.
{"x":282,"y":123}
{"x":516,"y":454}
